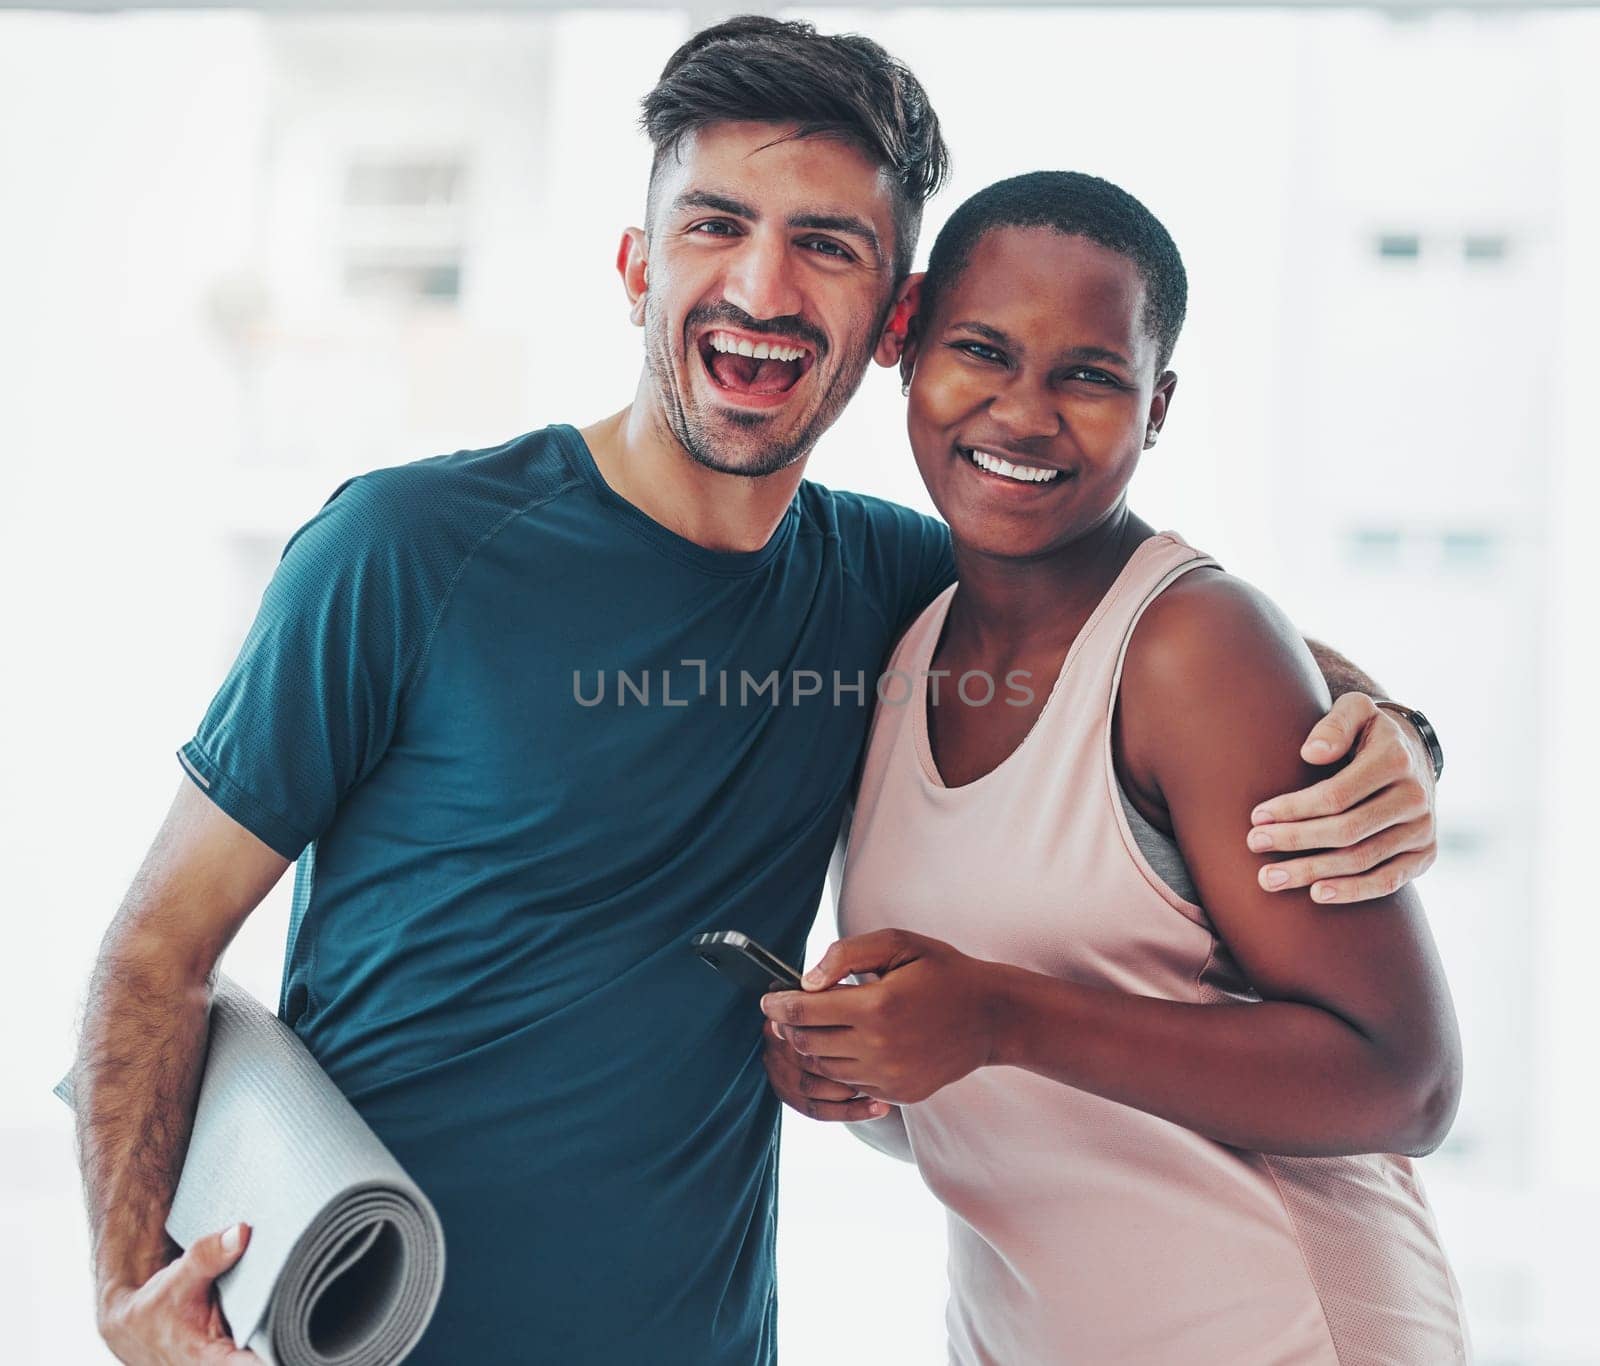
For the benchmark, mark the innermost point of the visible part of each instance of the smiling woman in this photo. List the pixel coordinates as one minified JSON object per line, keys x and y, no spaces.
{"x":1112,"y":1050}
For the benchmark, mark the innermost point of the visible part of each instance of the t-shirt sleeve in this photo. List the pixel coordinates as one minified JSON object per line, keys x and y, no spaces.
{"x":902,"y":558}
{"x":310,"y":704}
{"x":929,"y":564}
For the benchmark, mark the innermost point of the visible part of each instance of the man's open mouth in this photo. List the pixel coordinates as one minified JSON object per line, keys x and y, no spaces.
{"x":745,"y":365}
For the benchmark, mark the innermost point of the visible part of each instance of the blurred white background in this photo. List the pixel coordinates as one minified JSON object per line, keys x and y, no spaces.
{"x":244,"y":255}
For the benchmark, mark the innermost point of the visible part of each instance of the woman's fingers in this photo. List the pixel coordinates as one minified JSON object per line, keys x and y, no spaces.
{"x":812,"y":1093}
{"x":818,"y":1041}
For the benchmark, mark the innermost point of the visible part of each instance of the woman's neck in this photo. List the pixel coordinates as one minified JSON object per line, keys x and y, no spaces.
{"x":1007,"y":608}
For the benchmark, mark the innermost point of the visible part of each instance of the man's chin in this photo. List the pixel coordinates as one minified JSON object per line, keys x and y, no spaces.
{"x":754,"y":464}
{"x":749,"y":444}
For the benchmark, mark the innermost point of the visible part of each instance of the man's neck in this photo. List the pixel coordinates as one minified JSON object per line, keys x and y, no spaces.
{"x":642,"y":462}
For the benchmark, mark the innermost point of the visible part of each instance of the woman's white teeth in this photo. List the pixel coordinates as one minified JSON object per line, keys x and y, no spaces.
{"x":1027,"y":474}
{"x":738,"y":346}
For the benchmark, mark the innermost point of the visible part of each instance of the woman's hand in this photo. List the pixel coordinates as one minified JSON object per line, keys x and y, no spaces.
{"x":931,"y":1019}
{"x":812,"y":1095}
{"x":1371,"y":825}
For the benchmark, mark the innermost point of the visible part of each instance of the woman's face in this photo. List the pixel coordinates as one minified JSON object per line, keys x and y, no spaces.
{"x":1037,"y":366}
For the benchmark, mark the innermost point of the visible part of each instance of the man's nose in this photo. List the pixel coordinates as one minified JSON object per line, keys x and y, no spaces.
{"x":761,"y":282}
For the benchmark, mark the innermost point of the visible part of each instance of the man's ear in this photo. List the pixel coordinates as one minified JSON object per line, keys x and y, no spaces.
{"x":892,"y":340}
{"x":632,"y":252}
{"x":1160,"y":402}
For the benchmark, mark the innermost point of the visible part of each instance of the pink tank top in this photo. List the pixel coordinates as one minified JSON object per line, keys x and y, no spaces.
{"x":1082,"y":1230}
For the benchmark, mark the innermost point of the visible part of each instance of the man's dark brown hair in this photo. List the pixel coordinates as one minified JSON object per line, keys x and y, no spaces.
{"x":764,"y":70}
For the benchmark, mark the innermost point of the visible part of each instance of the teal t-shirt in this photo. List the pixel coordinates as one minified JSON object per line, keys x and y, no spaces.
{"x":525,"y":742}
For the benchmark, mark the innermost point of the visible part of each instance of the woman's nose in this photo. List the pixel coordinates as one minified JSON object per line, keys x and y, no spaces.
{"x":1025,"y":410}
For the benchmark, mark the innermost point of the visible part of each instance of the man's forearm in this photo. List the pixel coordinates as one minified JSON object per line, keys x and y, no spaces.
{"x":135,"y":1082}
{"x":1340,"y":674}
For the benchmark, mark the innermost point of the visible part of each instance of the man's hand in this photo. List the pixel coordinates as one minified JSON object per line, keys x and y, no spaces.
{"x":929,"y":1021}
{"x":175,"y":1316}
{"x":811,"y":1094}
{"x":1373,"y":821}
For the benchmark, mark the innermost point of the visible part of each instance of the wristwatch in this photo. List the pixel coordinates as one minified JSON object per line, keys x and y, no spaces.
{"x":1423,"y":727}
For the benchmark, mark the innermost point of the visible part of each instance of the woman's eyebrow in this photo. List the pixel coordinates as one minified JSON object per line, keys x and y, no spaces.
{"x":1076,"y":355}
{"x":993,"y":334}
{"x":1099,"y":353}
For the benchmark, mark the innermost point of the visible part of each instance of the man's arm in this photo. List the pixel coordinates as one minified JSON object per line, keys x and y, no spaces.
{"x":137,"y":1075}
{"x":1370,"y":828}
{"x":1339,"y":673}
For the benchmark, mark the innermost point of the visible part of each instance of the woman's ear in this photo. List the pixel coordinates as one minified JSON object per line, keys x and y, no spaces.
{"x":1160,"y":402}
{"x":892,"y":341}
{"x":632,"y":267}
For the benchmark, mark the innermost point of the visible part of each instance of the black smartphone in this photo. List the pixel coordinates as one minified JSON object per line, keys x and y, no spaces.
{"x":742,"y":960}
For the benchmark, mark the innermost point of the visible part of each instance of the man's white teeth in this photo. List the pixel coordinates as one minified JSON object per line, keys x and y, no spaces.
{"x":738,"y":346}
{"x":1027,"y":474}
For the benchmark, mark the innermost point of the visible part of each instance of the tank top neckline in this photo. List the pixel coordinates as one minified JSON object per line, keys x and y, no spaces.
{"x":939,"y":611}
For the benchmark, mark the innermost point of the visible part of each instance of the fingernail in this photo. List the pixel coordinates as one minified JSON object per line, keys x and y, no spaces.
{"x":1322,"y":892}
{"x":879,"y":1110}
{"x":766,"y":1001}
{"x":1319,"y":747}
{"x":1261,"y":815}
{"x":1260,"y":840}
{"x":1276,"y":877}
{"x":230,"y":1239}
{"x":813,"y":978}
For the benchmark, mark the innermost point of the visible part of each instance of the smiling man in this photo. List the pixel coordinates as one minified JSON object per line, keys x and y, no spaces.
{"x":498,"y":869}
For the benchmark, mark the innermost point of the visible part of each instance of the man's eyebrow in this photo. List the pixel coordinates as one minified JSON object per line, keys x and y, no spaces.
{"x":846,"y":223}
{"x":1076,"y":353}
{"x":710,"y":199}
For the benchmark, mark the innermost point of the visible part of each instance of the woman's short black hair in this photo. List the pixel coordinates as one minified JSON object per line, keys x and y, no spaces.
{"x":782,"y":71}
{"x":1075,"y":205}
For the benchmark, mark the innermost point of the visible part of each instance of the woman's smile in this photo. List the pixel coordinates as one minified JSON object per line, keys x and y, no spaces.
{"x":1011,"y":475}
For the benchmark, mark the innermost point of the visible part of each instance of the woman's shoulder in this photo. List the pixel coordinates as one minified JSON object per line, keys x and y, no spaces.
{"x":1213,"y":650}
{"x":1209,"y":616}
{"x":1216,"y":680}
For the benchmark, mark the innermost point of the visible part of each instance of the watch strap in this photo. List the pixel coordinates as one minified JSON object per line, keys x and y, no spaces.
{"x":1423,"y":727}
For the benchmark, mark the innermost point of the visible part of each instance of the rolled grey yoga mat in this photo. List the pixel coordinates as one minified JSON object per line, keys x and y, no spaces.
{"x":346,"y":1255}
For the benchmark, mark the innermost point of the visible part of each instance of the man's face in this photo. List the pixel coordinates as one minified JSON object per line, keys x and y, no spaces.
{"x":780,"y":248}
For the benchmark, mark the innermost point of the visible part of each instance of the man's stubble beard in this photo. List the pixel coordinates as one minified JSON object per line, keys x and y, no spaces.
{"x":691,"y":432}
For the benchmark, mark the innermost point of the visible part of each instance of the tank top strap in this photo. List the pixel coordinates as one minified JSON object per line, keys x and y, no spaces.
{"x":1169,"y":558}
{"x":1086,"y":691}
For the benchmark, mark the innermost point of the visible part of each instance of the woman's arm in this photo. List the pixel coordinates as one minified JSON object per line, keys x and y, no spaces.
{"x":1354,"y":1047}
